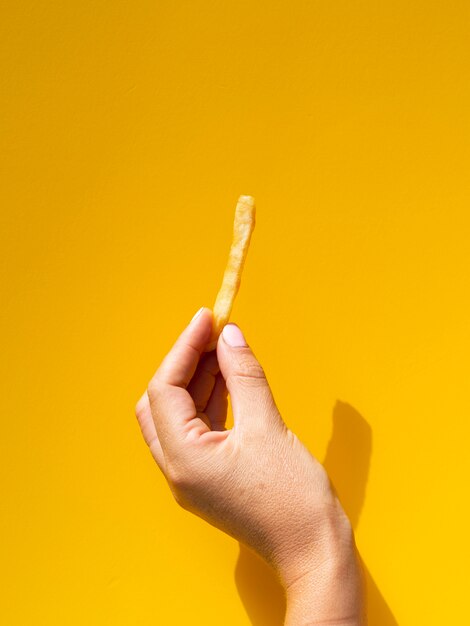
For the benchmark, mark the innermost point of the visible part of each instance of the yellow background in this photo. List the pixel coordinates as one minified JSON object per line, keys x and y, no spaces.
{"x":128,"y":131}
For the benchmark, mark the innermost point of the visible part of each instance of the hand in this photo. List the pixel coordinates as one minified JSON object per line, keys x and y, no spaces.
{"x":255,"y":481}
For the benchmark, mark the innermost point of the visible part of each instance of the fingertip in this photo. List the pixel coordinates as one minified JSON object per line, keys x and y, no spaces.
{"x":202,"y":323}
{"x":211,"y":347}
{"x":233,"y":336}
{"x":202,"y":317}
{"x":200,"y":326}
{"x":199,"y":312}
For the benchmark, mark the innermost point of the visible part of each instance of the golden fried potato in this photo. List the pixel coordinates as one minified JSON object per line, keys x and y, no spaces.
{"x":243,"y":226}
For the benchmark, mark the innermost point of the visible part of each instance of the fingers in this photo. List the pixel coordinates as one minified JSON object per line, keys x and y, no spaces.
{"x":252,"y":401}
{"x":173,"y":408}
{"x":147,"y":426}
{"x":188,"y":394}
{"x":203,"y":381}
{"x":216,"y":409}
{"x":180,"y":363}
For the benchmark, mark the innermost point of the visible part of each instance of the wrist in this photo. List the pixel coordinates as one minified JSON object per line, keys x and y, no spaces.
{"x":323,"y":582}
{"x":330,"y":595}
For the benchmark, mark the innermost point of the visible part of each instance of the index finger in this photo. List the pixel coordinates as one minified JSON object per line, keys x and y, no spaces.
{"x":180,"y":363}
{"x":172,"y":405}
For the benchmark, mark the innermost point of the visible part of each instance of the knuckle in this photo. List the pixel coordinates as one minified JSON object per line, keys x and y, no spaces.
{"x":154,"y":388}
{"x":143,"y":413}
{"x":180,"y":478}
{"x":250,"y":366}
{"x":246,"y":381}
{"x":179,"y":497}
{"x":187,"y":483}
{"x":249,"y":371}
{"x":139,"y":409}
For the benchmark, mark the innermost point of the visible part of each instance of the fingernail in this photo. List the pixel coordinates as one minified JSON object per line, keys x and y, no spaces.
{"x":197,"y":314}
{"x":233,"y":336}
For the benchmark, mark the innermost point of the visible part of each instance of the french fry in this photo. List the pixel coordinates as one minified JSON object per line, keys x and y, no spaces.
{"x":243,"y":226}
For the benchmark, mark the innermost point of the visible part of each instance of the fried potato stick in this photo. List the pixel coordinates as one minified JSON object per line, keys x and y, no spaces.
{"x":243,"y":226}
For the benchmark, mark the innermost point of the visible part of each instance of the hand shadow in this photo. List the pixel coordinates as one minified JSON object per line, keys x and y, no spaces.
{"x":347,"y":462}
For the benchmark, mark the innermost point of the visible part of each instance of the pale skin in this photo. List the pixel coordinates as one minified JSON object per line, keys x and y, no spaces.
{"x":255,"y":481}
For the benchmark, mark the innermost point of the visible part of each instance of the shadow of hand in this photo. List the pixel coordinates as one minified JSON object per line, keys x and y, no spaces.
{"x":260,"y":591}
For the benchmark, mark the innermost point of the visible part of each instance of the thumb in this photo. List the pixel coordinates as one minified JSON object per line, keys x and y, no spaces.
{"x":251,"y":397}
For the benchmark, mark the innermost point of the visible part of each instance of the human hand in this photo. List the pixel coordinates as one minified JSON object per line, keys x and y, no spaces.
{"x":256,"y":481}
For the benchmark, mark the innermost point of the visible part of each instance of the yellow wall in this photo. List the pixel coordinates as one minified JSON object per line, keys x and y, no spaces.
{"x":128,"y":131}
